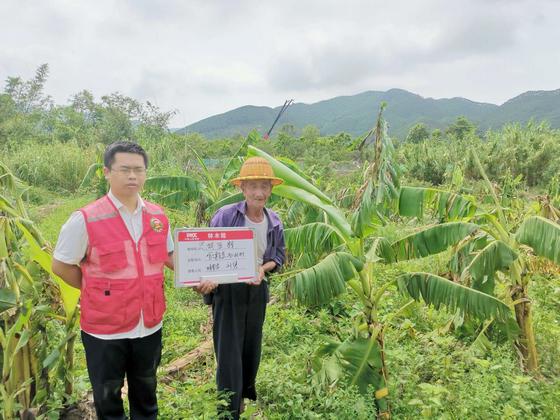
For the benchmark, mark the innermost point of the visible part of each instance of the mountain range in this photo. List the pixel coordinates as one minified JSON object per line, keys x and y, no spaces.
{"x":356,"y":114}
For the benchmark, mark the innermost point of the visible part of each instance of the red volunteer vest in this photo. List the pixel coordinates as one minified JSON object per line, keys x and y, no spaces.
{"x":120,"y":279}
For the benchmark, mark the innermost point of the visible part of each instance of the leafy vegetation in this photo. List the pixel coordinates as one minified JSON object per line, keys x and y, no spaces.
{"x":410,"y":263}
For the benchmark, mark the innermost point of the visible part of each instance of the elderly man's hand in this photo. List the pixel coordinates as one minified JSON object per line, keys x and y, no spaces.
{"x":260,"y":277}
{"x":206,"y":286}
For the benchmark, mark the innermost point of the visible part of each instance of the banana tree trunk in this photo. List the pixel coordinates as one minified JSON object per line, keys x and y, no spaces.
{"x":68,"y":365}
{"x":29,"y":394}
{"x":42,"y":373}
{"x":200,"y":212}
{"x":69,"y":361}
{"x":526,"y":343}
{"x":375,"y":331}
{"x":381,"y":393}
{"x":14,"y":376}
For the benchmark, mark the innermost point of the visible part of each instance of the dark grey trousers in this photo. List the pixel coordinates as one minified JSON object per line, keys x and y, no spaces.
{"x":238,"y":311}
{"x":108,"y":361}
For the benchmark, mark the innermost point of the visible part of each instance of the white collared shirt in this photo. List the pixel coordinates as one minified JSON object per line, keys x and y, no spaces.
{"x":72,"y":245}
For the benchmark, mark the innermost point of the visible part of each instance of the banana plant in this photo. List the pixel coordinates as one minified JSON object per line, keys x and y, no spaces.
{"x":28,"y":300}
{"x":549,"y":204}
{"x":340,"y":253}
{"x":176,"y":191}
{"x":94,"y":175}
{"x":501,"y":246}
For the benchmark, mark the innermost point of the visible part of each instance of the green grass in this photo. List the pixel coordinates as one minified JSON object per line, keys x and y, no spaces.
{"x":433,"y":371}
{"x":51,"y":216}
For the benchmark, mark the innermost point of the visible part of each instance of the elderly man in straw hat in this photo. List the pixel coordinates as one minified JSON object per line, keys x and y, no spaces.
{"x":239,"y":309}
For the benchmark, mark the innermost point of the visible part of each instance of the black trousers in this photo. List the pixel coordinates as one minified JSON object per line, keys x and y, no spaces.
{"x":238,"y":311}
{"x":108,"y":361}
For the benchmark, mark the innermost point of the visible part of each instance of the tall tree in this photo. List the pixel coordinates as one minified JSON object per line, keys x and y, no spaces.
{"x":461,"y":128}
{"x":418,"y":133}
{"x":29,"y":95}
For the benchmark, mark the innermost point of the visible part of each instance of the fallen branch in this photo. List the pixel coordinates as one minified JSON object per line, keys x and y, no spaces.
{"x":203,"y":349}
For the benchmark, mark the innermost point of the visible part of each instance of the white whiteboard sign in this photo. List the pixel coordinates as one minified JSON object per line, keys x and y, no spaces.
{"x":224,"y":255}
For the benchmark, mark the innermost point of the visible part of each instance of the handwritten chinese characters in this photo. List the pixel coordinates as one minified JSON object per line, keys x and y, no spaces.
{"x":225,"y":255}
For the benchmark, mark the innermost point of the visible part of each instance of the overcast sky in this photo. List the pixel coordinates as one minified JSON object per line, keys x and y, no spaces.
{"x":207,"y":57}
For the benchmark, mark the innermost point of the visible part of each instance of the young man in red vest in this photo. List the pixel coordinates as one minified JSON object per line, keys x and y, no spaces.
{"x":114,"y":250}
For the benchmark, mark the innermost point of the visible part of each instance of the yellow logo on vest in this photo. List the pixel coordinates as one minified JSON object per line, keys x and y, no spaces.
{"x":156,"y":225}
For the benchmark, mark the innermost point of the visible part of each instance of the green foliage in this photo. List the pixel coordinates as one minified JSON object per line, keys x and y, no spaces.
{"x":427,"y":161}
{"x":439,"y":378}
{"x":332,"y":236}
{"x":325,"y":280}
{"x":367,"y":218}
{"x":336,"y":216}
{"x":542,"y":235}
{"x":432,"y":240}
{"x":42,"y":165}
{"x":461,"y":129}
{"x":352,"y":114}
{"x":173,"y":191}
{"x":285,"y":389}
{"x":418,"y":133}
{"x":28,"y":95}
{"x":31,"y":297}
{"x":322,"y":235}
{"x":290,"y":177}
{"x":28,"y":116}
{"x":531,"y":152}
{"x":495,"y":256}
{"x":356,"y":360}
{"x":437,"y":291}
{"x":526,"y":153}
{"x":446,"y":205}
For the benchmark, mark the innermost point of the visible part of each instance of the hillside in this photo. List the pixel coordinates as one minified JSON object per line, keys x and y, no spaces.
{"x":356,"y":114}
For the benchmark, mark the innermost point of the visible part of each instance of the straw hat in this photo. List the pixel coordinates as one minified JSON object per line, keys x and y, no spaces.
{"x":256,"y":168}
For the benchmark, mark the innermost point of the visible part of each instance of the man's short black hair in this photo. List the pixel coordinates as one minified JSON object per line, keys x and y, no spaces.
{"x":123,"y":147}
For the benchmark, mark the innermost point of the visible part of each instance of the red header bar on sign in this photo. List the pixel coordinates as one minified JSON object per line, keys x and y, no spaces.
{"x":215,"y":235}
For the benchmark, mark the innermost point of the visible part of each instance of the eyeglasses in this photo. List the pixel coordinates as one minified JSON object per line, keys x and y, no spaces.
{"x":125,"y":170}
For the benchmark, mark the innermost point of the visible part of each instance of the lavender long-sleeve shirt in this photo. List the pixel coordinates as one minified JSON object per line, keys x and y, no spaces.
{"x":233,"y":215}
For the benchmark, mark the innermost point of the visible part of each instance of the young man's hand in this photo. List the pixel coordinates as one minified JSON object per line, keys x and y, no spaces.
{"x":71,"y":274}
